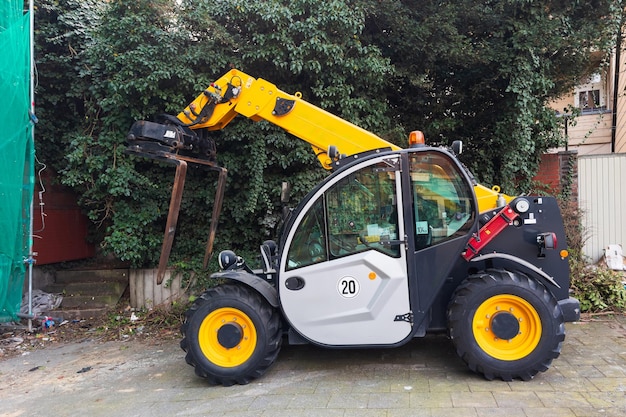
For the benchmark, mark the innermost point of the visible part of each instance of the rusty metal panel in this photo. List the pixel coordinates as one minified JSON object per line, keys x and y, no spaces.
{"x":602,"y":197}
{"x":60,"y":228}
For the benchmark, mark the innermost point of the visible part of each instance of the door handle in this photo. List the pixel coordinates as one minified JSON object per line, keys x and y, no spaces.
{"x":385,"y":241}
{"x":294,"y":283}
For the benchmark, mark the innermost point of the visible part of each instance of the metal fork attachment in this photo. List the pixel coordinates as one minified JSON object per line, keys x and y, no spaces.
{"x":177,"y":145}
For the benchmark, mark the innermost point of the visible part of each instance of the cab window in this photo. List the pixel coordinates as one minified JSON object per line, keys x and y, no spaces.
{"x":356,"y":214}
{"x":443,"y":206}
{"x":362,"y":212}
{"x":308,"y":246}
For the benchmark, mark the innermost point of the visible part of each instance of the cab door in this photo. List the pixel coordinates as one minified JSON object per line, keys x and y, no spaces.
{"x":444,"y":215}
{"x":343,"y":271}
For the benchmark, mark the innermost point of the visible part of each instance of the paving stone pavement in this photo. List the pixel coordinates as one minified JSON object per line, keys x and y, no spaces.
{"x":422,"y":378}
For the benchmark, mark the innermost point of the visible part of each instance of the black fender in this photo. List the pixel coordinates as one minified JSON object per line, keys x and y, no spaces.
{"x":569,"y":305}
{"x":261,"y":286}
{"x":522,"y":264}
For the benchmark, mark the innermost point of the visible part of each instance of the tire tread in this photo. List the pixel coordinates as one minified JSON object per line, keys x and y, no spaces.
{"x":467,"y":350}
{"x":269,"y":316}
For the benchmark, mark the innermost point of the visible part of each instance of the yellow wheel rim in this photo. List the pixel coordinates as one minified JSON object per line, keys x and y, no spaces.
{"x":519,"y":335}
{"x":234,"y":353}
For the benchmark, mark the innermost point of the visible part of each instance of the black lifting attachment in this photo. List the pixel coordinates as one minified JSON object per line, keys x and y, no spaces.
{"x":173,"y":143}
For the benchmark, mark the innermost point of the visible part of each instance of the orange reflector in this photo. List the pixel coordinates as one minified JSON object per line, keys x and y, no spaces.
{"x":416,"y":138}
{"x":372,"y":276}
{"x":564,"y":253}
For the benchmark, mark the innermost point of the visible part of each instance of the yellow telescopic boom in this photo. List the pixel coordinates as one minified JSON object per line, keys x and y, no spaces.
{"x":331,"y":137}
{"x":238,"y":93}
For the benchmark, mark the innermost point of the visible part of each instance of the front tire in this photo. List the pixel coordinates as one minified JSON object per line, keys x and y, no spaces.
{"x":231,"y":335}
{"x":505,"y":325}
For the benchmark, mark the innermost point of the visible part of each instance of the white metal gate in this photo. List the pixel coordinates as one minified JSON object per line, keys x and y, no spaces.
{"x":602,"y":197}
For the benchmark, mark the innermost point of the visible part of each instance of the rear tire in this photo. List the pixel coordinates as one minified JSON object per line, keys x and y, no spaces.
{"x":231,"y":335}
{"x":505,"y":325}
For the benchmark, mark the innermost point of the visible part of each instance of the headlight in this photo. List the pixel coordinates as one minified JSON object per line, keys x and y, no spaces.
{"x":227,"y":259}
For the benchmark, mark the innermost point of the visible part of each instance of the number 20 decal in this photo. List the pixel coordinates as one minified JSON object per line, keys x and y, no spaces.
{"x":348,"y":287}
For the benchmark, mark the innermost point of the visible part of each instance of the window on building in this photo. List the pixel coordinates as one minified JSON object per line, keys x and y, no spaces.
{"x":589,"y":100}
{"x":591,"y":95}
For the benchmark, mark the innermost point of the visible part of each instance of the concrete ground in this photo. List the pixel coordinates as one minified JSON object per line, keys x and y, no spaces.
{"x":423,"y":378}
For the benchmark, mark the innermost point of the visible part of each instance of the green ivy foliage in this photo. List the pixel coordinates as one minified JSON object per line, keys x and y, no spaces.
{"x":484,"y":72}
{"x":476,"y":71}
{"x":595,"y":286}
{"x":61,"y":34}
{"x":143,"y":58}
{"x":599,"y":289}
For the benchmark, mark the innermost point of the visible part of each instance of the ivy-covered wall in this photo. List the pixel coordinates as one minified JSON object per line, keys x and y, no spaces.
{"x":476,"y":71}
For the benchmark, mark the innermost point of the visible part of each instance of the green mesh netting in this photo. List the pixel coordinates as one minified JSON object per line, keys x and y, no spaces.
{"x":16,"y":155}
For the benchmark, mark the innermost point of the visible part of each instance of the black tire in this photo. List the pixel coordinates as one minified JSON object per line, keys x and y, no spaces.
{"x":505,"y":325}
{"x":231,"y":334}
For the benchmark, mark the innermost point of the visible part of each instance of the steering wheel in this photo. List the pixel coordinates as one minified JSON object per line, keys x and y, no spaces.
{"x":316,"y":250}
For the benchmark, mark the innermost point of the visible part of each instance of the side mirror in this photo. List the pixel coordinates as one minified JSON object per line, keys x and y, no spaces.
{"x":457,"y":147}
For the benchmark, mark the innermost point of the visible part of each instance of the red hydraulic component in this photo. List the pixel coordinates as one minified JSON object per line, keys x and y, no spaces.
{"x":490,"y":230}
